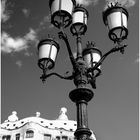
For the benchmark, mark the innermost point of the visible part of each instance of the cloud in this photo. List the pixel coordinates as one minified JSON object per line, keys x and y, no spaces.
{"x":137,"y":60}
{"x":26,"y":12}
{"x":10,"y":44}
{"x":28,"y":53}
{"x":125,"y":3}
{"x":87,"y":2}
{"x":19,"y":63}
{"x":31,"y":36}
{"x":44,"y":23}
{"x":5,"y":14}
{"x":45,"y":19}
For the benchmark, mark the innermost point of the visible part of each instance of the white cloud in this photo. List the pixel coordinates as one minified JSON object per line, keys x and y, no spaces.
{"x":44,"y":23}
{"x":45,"y":19}
{"x":10,"y":44}
{"x":26,"y":12}
{"x":126,"y":3}
{"x":19,"y":63}
{"x":87,"y":2}
{"x":28,"y":53}
{"x":5,"y":14}
{"x":137,"y":60}
{"x":31,"y":36}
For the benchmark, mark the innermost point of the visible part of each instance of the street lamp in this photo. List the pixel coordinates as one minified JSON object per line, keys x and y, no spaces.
{"x":115,"y":17}
{"x":61,"y":12}
{"x":92,"y":56}
{"x":79,"y":21}
{"x":87,"y":64}
{"x":48,"y":50}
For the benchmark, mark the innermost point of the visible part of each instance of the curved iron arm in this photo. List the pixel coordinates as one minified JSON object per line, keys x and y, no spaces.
{"x":63,"y":36}
{"x":45,"y":76}
{"x":118,"y":47}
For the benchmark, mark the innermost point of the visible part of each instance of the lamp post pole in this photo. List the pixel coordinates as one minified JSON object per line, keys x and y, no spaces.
{"x":81,"y":95}
{"x":87,"y":64}
{"x":79,"y":47}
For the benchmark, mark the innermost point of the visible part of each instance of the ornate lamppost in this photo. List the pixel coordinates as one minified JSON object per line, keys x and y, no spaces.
{"x":87,"y":64}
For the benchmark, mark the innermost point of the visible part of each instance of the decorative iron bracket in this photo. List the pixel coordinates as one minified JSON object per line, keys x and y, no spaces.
{"x":45,"y":76}
{"x":118,"y":47}
{"x":63,"y":36}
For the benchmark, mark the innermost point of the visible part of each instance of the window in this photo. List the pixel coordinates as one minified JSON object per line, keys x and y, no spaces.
{"x":47,"y":137}
{"x":17,"y":136}
{"x":3,"y":137}
{"x":6,"y":137}
{"x":64,"y":137}
{"x":29,"y":134}
{"x":57,"y":138}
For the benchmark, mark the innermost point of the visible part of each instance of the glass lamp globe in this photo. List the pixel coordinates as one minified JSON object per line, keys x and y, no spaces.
{"x":61,"y":11}
{"x":79,"y":21}
{"x":47,"y":52}
{"x":115,"y":18}
{"x":92,"y":56}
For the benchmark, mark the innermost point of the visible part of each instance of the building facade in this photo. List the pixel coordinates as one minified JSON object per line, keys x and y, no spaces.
{"x":37,"y":128}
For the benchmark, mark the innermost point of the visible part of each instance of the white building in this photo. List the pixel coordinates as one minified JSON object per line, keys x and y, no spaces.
{"x":37,"y":128}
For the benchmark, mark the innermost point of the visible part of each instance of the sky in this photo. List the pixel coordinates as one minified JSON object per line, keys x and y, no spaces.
{"x":112,"y":113}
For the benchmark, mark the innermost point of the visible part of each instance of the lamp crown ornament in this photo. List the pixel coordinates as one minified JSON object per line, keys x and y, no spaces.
{"x":79,"y":5}
{"x":113,"y":4}
{"x":90,"y":44}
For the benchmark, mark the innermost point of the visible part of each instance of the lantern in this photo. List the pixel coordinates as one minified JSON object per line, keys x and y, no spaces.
{"x":115,"y":17}
{"x":47,"y":50}
{"x":79,"y":21}
{"x":61,"y":11}
{"x":92,"y":56}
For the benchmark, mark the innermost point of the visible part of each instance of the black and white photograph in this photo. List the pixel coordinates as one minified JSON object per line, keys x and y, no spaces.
{"x":69,"y":70}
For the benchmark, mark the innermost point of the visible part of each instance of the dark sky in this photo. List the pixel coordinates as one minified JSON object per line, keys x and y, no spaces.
{"x":113,"y":112}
